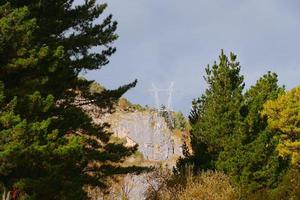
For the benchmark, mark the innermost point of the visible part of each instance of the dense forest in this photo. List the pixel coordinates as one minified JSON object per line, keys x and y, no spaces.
{"x":245,"y":143}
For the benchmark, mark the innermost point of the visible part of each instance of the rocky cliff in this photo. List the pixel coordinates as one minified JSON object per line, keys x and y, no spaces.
{"x":158,"y":145}
{"x":156,"y":142}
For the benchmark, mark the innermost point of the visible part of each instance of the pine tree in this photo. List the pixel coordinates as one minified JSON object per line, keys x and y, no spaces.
{"x":216,"y":115}
{"x":49,"y":147}
{"x":228,"y":131}
{"x":255,"y":164}
{"x":283,"y":115}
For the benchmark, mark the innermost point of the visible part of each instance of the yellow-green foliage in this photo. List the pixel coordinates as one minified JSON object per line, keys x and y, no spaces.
{"x":117,"y":140}
{"x":209,"y":185}
{"x":138,"y":107}
{"x":124,"y":104}
{"x":180,"y":122}
{"x":96,"y":88}
{"x":284,"y":116}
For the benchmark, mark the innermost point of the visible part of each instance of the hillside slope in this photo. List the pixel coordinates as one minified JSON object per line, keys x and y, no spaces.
{"x":159,"y":145}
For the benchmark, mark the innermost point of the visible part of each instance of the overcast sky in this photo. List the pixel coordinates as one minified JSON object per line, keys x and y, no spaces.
{"x":164,"y":41}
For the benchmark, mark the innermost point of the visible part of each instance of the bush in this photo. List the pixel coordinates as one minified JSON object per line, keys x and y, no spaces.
{"x":206,"y":186}
{"x":210,"y":186}
{"x":180,"y":122}
{"x":96,"y":88}
{"x":124,"y":104}
{"x":289,"y":188}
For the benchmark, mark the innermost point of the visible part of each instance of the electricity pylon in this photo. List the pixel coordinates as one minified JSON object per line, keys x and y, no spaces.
{"x":168,"y":107}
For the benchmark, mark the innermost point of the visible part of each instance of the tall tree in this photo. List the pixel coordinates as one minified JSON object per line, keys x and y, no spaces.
{"x":255,"y":163}
{"x":49,"y":147}
{"x":283,"y":116}
{"x":69,"y":32}
{"x":216,"y":115}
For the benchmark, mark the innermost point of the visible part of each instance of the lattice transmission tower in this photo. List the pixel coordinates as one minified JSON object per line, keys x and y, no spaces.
{"x":161,"y":108}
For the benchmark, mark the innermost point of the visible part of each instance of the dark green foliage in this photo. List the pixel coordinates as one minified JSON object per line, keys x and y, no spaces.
{"x":49,"y":147}
{"x":288,"y":189}
{"x":256,"y":163}
{"x":60,"y":30}
{"x":216,"y":115}
{"x":265,"y":89}
{"x":229,"y":133}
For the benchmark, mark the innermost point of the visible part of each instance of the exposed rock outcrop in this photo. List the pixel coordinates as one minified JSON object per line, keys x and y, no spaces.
{"x":158,"y":145}
{"x":149,"y":130}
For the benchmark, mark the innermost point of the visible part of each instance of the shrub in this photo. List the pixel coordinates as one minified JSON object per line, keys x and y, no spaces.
{"x":124,"y":104}
{"x":289,"y":188}
{"x":208,"y":185}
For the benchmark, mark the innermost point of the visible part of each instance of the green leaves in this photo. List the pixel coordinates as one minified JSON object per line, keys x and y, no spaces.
{"x":217,"y":113}
{"x":47,"y":141}
{"x":15,"y":35}
{"x":228,"y":131}
{"x":283,"y":115}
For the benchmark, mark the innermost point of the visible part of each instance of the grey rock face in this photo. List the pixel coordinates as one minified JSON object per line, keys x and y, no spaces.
{"x":156,"y":142}
{"x":149,"y":130}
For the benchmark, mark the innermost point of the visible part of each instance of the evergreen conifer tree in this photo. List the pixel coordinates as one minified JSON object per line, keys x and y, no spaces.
{"x":49,"y":147}
{"x":255,"y":163}
{"x":216,"y":115}
{"x":283,"y":115}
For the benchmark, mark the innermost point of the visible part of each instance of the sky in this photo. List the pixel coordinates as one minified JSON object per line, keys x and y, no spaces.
{"x":165,"y":41}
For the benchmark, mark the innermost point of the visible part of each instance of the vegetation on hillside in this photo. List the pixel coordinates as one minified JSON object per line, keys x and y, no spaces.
{"x":251,"y":135}
{"x":246,"y":142}
{"x":49,"y":147}
{"x":208,"y":185}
